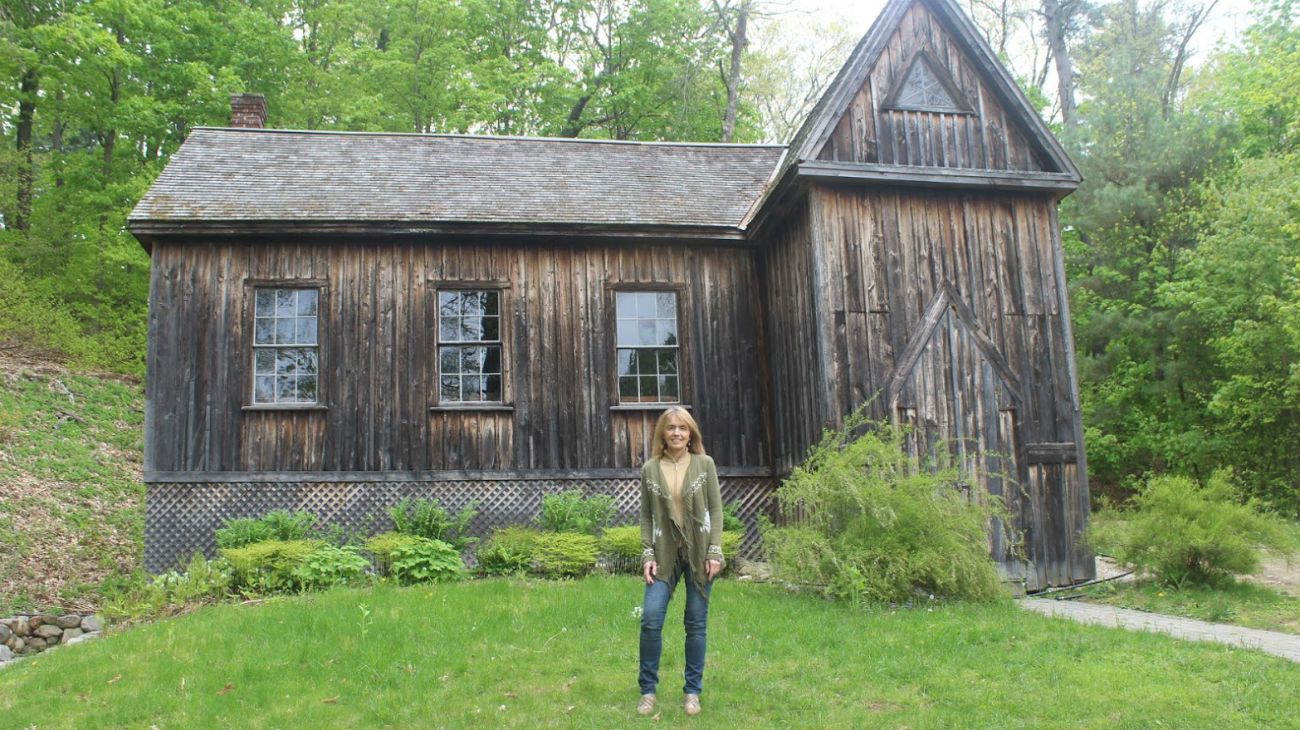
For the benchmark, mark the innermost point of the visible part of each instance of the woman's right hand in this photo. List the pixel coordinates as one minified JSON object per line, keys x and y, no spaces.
{"x":650,"y":570}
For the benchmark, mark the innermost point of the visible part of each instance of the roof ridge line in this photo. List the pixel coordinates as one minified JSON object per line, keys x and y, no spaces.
{"x":495,"y":137}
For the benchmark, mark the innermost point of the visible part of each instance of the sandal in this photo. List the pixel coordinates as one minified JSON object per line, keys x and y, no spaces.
{"x":692,"y":704}
{"x":646,"y":705}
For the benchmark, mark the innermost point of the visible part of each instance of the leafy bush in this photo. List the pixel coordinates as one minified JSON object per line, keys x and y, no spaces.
{"x":268,"y":567}
{"x":621,"y":548}
{"x":572,"y":512}
{"x":731,"y":542}
{"x":331,"y":566}
{"x":426,"y":561}
{"x":1185,"y":533}
{"x":383,"y":545}
{"x":509,"y":551}
{"x":564,"y":554}
{"x":875,"y":527}
{"x":202,"y":579}
{"x":731,"y":521}
{"x":277,"y":524}
{"x":428,"y":519}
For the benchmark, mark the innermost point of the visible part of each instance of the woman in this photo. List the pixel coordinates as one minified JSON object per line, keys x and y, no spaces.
{"x":681,"y":537}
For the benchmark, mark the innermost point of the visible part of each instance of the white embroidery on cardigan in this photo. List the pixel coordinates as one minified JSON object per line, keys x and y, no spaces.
{"x":695,"y":485}
{"x":707,"y":525}
{"x":654,"y":487}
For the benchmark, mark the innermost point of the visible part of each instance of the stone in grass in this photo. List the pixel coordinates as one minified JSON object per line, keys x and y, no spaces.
{"x":34,"y":644}
{"x":81,"y":638}
{"x":21,"y":627}
{"x":91,"y":624}
{"x":48,"y":631}
{"x":68,"y":621}
{"x":70,"y":634}
{"x":6,"y":633}
{"x":5,"y":654}
{"x":18,"y":644}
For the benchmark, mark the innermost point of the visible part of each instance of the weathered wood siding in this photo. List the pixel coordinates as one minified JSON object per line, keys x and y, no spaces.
{"x":988,"y":138}
{"x":943,"y":310}
{"x":378,"y":357}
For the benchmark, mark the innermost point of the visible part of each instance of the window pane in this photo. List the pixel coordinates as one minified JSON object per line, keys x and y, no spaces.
{"x":627,"y":329}
{"x":646,"y":332}
{"x":627,"y":362}
{"x":649,"y":388}
{"x":449,"y":360}
{"x":264,"y":361}
{"x":471,"y":329}
{"x":647,"y":304}
{"x":284,"y":302}
{"x":448,"y":304}
{"x":625,"y":303}
{"x":450,"y":388}
{"x":284,"y":389}
{"x":666,"y":332}
{"x":306,"y":360}
{"x":265,"y":303}
{"x":307,"y":388}
{"x":449,"y":329}
{"x":264,"y":331}
{"x":264,"y":389}
{"x":492,"y":387}
{"x":491,"y":329}
{"x":470,"y":386}
{"x":471,"y":359}
{"x":627,"y":389}
{"x":666,"y":305}
{"x":668,"y":388}
{"x":491,"y":303}
{"x":492,"y":361}
{"x":645,"y":362}
{"x":307,"y":303}
{"x":667,"y":360}
{"x":306,"y":331}
{"x":284,"y":331}
{"x":286,"y":361}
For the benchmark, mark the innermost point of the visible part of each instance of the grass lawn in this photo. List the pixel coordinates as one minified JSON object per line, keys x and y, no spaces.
{"x":1240,"y":603}
{"x":503,"y":653}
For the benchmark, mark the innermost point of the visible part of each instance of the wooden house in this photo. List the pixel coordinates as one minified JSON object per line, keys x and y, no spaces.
{"x":339,"y":320}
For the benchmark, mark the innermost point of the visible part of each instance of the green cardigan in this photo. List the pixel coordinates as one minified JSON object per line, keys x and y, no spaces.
{"x":701,"y":518}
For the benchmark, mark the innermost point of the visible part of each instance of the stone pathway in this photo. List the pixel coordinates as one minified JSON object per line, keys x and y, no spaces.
{"x":1286,"y":646}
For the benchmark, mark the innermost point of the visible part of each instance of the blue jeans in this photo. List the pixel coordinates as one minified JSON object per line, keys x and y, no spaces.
{"x":696,"y":621}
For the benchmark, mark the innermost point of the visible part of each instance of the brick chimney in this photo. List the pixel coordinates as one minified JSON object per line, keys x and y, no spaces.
{"x":248,"y":110}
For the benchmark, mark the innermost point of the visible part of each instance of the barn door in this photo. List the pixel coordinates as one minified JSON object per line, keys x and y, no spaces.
{"x":953,"y":390}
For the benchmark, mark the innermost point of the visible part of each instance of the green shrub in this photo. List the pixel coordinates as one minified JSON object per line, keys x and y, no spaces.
{"x":875,"y":527}
{"x":426,"y":561}
{"x":383,"y":545}
{"x":202,"y":580}
{"x":731,"y":521}
{"x":564,"y":554}
{"x":428,"y":519}
{"x":572,"y":512}
{"x":331,"y":566}
{"x":277,"y":524}
{"x":268,"y":567}
{"x":509,"y":551}
{"x":621,"y":548}
{"x":1188,"y":534}
{"x":731,"y":542}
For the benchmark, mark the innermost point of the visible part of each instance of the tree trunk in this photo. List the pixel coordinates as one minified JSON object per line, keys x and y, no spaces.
{"x":26,"y":170}
{"x":1056,"y":25}
{"x":738,"y":42}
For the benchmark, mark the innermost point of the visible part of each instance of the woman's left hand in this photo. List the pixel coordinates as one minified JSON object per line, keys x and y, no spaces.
{"x":712,"y":568}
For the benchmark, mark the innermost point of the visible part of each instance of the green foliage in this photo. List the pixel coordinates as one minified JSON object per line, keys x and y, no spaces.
{"x":731,"y":542}
{"x":874,"y":527}
{"x":572,"y":512}
{"x":330,"y":566}
{"x":279,"y":524}
{"x":429,"y":519}
{"x":731,"y":521}
{"x":426,"y":561}
{"x":268,"y":567}
{"x":1185,"y":533}
{"x":383,"y":545}
{"x":564,"y":554}
{"x":621,"y":548}
{"x":509,"y":551}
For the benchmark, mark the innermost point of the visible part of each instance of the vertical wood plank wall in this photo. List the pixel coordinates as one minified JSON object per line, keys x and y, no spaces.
{"x":987,"y":138}
{"x":378,"y":357}
{"x":877,"y":258}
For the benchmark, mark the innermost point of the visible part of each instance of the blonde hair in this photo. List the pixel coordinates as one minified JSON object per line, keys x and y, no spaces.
{"x":695,"y":444}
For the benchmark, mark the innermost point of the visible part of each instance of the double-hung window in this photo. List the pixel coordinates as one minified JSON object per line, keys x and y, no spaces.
{"x":648,"y":351}
{"x":469,"y":346}
{"x":286,"y":349}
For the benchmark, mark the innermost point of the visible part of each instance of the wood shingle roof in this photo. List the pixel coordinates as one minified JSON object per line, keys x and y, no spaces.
{"x":244,"y":176}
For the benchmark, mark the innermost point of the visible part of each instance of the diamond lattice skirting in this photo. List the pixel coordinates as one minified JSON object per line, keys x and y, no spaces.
{"x":180,"y":517}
